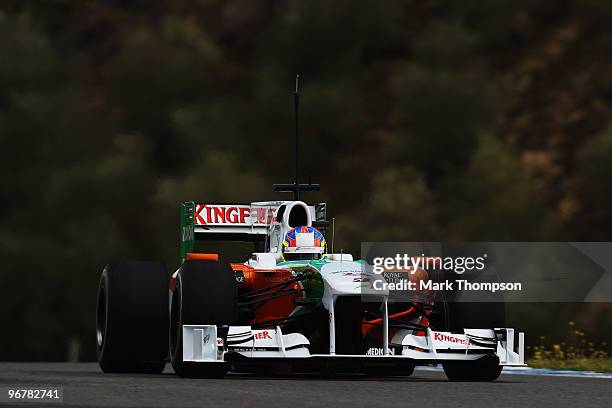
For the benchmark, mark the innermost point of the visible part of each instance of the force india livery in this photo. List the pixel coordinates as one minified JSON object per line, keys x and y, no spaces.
{"x":293,"y":306}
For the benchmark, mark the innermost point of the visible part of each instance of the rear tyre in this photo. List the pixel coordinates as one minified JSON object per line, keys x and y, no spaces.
{"x":205,"y":293}
{"x":348,"y":314}
{"x":470,"y":309}
{"x":132,"y":317}
{"x":484,"y":369}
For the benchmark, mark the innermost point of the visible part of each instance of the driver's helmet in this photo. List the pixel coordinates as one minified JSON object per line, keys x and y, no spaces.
{"x":303,"y":243}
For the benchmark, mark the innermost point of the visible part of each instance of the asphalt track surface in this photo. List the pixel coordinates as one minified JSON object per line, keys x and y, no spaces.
{"x":86,"y":386}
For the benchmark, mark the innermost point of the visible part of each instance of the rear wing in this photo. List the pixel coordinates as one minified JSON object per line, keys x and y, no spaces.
{"x":234,"y":222}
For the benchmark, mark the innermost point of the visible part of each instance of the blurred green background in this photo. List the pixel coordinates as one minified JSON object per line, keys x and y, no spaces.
{"x":423,"y":120}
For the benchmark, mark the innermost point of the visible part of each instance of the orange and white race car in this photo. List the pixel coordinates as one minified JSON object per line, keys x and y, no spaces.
{"x":294,"y":305}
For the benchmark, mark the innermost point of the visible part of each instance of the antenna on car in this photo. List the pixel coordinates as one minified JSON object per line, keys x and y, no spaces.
{"x":296,"y":110}
{"x":333,"y":233}
{"x":296,"y":187}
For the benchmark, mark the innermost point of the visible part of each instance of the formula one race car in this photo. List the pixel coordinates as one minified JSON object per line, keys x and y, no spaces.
{"x":294,"y":306}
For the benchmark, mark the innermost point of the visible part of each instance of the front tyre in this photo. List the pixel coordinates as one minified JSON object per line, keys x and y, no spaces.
{"x":205,"y":292}
{"x":132,"y":317}
{"x":484,"y":369}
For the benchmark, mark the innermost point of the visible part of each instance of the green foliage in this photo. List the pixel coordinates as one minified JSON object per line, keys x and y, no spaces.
{"x":493,"y":199}
{"x":599,"y":365}
{"x":577,"y":352}
{"x":592,"y":185}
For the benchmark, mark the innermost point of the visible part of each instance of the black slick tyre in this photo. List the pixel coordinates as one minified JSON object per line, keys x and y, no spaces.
{"x":484,"y":369}
{"x":205,"y":292}
{"x":132,"y":317}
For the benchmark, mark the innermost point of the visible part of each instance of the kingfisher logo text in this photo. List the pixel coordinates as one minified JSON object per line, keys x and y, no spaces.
{"x":262,"y":335}
{"x":451,"y":339}
{"x":222,"y":214}
{"x":234,"y":215}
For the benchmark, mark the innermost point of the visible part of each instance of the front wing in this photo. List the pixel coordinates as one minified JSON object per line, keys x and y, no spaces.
{"x":211,"y":344}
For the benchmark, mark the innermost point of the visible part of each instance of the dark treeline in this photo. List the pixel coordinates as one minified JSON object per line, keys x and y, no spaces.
{"x":423,"y":120}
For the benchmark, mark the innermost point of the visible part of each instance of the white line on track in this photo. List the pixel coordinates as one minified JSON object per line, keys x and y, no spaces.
{"x":538,"y":371}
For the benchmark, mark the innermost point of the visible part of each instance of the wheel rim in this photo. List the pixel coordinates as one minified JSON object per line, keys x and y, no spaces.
{"x":101,"y":316}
